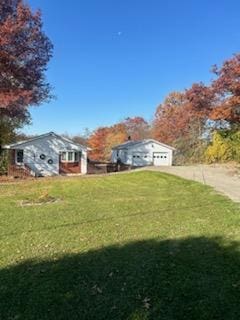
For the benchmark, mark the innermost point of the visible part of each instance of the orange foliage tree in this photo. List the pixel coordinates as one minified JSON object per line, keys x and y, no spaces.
{"x":116,"y":135}
{"x":103,"y":139}
{"x":97,"y":143}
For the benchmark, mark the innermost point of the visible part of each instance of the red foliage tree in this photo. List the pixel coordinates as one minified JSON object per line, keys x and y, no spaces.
{"x":200,"y":100}
{"x":181,"y":112}
{"x":24,"y":53}
{"x":171,"y":119}
{"x":137,"y":128}
{"x":227,"y":90}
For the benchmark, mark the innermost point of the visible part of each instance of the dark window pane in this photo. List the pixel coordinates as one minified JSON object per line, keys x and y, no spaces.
{"x":19,"y":156}
{"x":76,"y":157}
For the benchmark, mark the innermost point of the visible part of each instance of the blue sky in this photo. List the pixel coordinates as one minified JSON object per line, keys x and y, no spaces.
{"x":119,"y":58}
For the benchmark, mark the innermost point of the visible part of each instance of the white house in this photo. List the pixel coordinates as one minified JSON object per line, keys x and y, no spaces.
{"x":143,"y":153}
{"x":48,"y":154}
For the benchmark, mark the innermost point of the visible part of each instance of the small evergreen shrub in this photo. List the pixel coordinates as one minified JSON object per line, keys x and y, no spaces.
{"x":3,"y":163}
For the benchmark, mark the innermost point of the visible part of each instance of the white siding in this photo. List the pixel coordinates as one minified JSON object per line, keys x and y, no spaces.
{"x":114,"y":156}
{"x":147,"y":149}
{"x":50,"y":146}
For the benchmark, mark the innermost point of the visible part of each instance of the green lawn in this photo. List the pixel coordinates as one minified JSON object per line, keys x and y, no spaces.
{"x":142,"y":245}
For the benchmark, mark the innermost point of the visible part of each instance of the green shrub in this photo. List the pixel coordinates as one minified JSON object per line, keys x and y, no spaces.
{"x":3,"y":163}
{"x":236,"y":146}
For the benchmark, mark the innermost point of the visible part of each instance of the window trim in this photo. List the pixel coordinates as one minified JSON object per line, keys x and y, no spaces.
{"x":76,"y":156}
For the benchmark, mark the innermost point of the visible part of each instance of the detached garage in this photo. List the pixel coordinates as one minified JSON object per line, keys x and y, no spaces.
{"x":143,"y":153}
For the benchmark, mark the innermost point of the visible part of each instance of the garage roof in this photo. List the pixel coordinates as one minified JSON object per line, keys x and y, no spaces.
{"x":130,"y":144}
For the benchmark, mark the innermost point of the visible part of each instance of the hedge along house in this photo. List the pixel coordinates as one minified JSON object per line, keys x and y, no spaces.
{"x":143,"y":153}
{"x":48,"y":155}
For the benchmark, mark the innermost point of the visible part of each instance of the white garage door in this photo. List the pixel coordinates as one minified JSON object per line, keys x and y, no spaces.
{"x":140,"y":159}
{"x":160,"y":158}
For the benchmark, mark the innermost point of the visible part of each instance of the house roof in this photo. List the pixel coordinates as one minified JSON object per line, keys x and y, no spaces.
{"x":18,"y":144}
{"x":130,"y":144}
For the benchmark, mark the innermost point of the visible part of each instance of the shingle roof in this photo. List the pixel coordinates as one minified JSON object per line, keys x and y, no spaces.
{"x":129,"y":144}
{"x":14,"y":145}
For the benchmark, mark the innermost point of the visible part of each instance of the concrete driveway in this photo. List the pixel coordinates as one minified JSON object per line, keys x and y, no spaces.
{"x":225,"y":179}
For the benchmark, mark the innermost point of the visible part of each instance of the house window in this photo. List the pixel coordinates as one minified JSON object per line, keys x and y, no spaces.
{"x":64,"y":156}
{"x":70,"y":156}
{"x":76,"y":155}
{"x":19,"y":156}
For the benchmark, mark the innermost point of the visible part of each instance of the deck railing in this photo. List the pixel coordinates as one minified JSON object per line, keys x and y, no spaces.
{"x":101,"y":167}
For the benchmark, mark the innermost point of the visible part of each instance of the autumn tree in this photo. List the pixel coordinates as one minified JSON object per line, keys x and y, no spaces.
{"x":116,"y":135}
{"x":103,"y":139}
{"x":227,"y":90}
{"x":137,"y":128}
{"x":97,"y":143}
{"x":185,"y":119}
{"x":171,"y":120}
{"x":200,"y":100}
{"x":24,"y":53}
{"x":182,"y":118}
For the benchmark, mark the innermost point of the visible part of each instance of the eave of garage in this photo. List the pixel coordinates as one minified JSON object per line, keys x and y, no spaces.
{"x":133,"y":144}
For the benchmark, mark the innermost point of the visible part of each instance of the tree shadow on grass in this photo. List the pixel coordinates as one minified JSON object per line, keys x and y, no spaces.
{"x":193,"y":278}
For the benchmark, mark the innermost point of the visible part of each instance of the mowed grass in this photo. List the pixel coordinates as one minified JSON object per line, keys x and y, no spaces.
{"x":142,"y":245}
